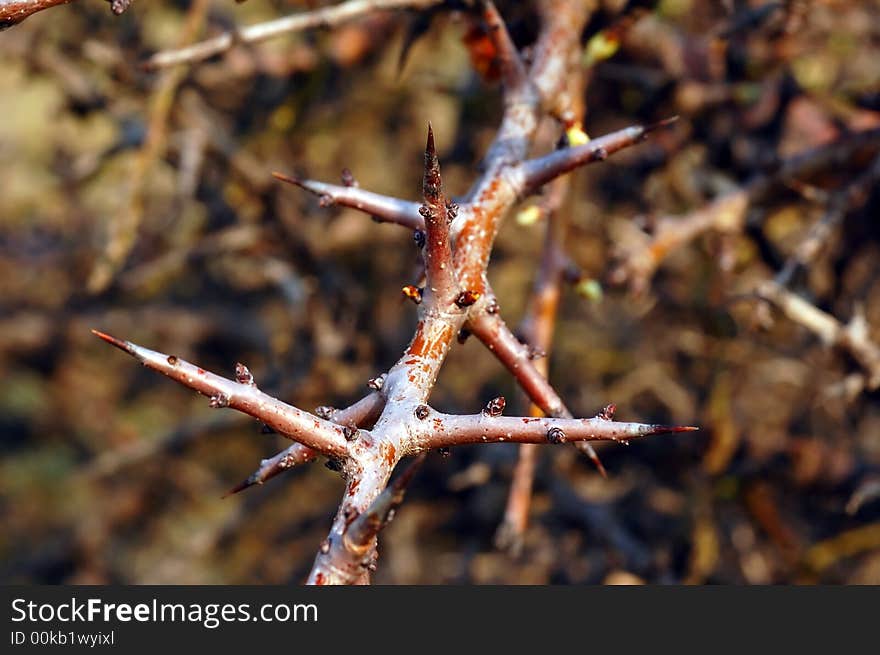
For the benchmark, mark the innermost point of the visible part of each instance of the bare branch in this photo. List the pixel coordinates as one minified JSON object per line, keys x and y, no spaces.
{"x":122,"y":232}
{"x":384,"y":208}
{"x":500,"y":185}
{"x":447,"y":430}
{"x":324,"y":17}
{"x":323,"y":436}
{"x":510,"y":351}
{"x":543,"y":169}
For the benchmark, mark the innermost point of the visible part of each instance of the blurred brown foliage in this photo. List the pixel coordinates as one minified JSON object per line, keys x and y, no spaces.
{"x":142,"y":203}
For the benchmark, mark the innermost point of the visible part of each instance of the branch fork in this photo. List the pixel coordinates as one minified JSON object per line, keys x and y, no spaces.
{"x":367,"y":440}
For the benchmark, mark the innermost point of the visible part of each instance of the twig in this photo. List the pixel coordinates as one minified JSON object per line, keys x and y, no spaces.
{"x":513,"y":71}
{"x":491,"y":329}
{"x":285,"y":460}
{"x":446,"y":430}
{"x":539,"y":171}
{"x":323,"y":436}
{"x":324,"y":17}
{"x":384,"y":208}
{"x":361,"y":414}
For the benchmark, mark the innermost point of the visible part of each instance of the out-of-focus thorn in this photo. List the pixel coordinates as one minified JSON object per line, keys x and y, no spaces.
{"x":285,"y":460}
{"x":590,"y":452}
{"x":659,"y":124}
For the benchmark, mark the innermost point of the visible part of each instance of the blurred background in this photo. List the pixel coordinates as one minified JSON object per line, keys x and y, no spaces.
{"x":141,"y":203}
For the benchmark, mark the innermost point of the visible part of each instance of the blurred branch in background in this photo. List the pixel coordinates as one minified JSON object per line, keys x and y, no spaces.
{"x":123,"y":229}
{"x":325,"y":18}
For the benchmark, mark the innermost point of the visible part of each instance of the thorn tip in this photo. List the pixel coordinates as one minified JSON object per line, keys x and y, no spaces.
{"x":660,"y":429}
{"x":594,"y":457}
{"x":430,"y":149}
{"x":662,"y":123}
{"x":290,"y":179}
{"x":113,"y":341}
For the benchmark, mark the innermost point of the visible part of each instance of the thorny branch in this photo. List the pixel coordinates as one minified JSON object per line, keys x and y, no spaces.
{"x":242,"y":394}
{"x":366,"y":441}
{"x":438,"y":214}
{"x":447,"y":430}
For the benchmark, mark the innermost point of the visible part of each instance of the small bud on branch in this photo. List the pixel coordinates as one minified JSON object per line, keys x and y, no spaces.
{"x":495,"y":407}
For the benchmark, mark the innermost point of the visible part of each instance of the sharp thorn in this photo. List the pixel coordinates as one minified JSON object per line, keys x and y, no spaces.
{"x":287,"y":178}
{"x":113,"y":341}
{"x":656,"y":126}
{"x":661,"y":429}
{"x":241,"y":486}
{"x":244,"y":484}
{"x":598,"y":464}
{"x":429,"y":146}
{"x":589,"y":451}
